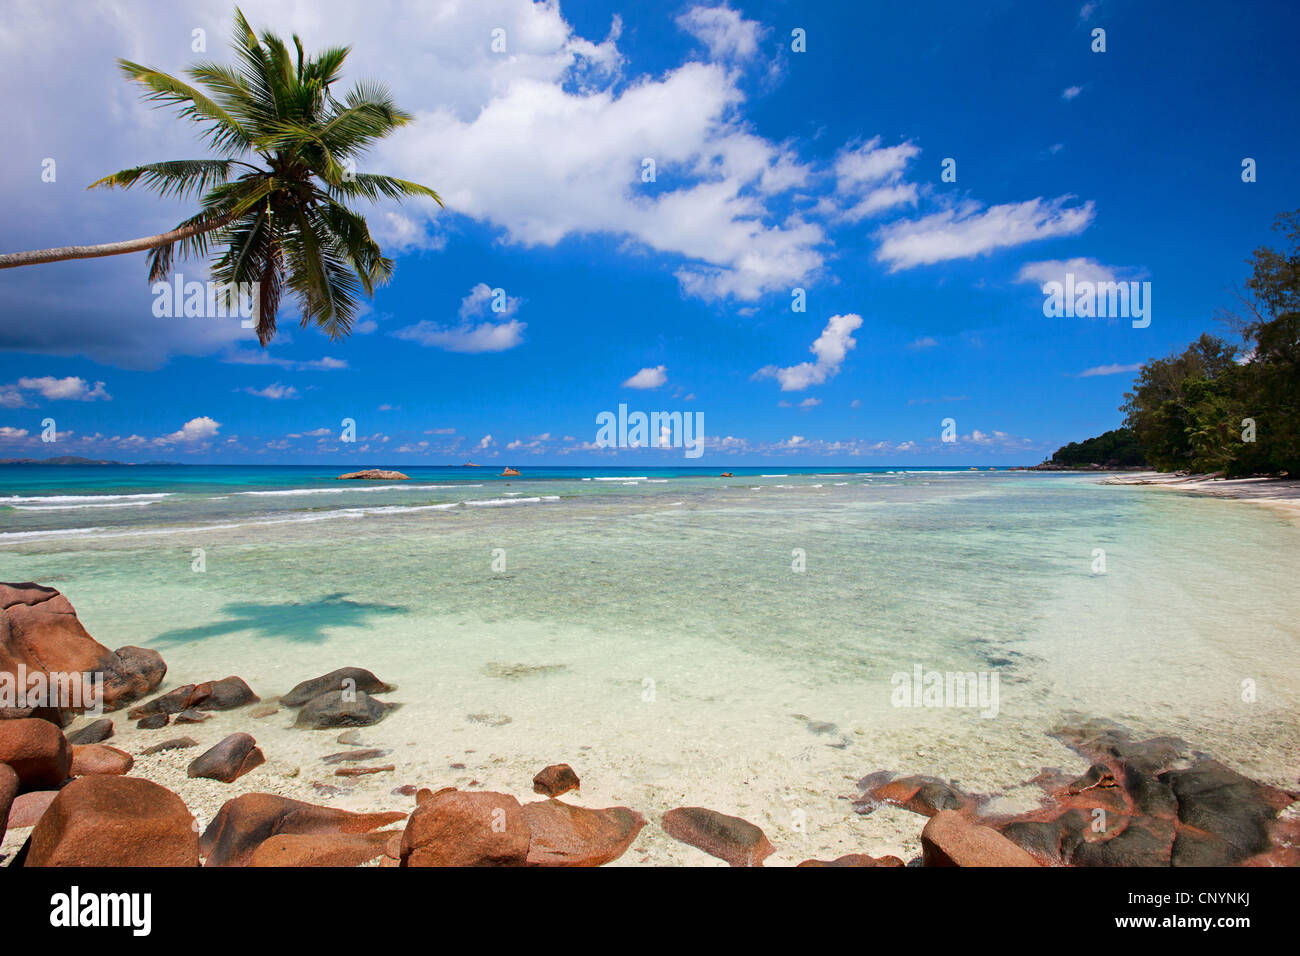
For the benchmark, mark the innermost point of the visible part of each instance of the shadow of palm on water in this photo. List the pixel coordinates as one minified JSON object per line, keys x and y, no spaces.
{"x":295,"y":621}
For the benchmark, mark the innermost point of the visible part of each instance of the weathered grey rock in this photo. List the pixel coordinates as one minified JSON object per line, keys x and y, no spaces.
{"x":95,"y":732}
{"x":345,"y":678}
{"x":340,"y":709}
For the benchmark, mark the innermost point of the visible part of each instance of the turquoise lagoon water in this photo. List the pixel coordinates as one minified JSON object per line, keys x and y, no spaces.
{"x":650,"y":626}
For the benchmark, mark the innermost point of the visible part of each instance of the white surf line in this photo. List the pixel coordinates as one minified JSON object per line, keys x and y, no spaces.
{"x":110,"y":504}
{"x":350,"y":513}
{"x":38,"y":499}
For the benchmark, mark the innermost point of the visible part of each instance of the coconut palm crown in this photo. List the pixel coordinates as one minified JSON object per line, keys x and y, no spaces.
{"x":283,"y":220}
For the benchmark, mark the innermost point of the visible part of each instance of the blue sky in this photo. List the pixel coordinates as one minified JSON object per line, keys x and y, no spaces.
{"x":775,"y":170}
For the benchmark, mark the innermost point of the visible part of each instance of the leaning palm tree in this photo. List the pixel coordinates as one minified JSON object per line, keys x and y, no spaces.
{"x":282,"y":222}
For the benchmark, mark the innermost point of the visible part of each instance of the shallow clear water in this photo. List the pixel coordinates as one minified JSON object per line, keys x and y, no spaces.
{"x":661,"y":625}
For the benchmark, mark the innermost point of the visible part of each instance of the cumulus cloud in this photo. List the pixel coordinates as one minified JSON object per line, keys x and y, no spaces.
{"x":648,"y":378}
{"x":725,"y":32}
{"x":480,"y":337}
{"x":70,"y":388}
{"x":195,"y":430}
{"x":830,"y":348}
{"x":483,"y":297}
{"x":1055,"y":270}
{"x":966,"y":231}
{"x":471,"y":336}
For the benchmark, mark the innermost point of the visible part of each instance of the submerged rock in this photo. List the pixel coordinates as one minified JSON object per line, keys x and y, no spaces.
{"x":176,"y":743}
{"x":341,"y":709}
{"x":924,"y":795}
{"x":114,"y":821}
{"x":228,"y":760}
{"x":728,"y":838}
{"x":554,"y":780}
{"x":153,"y":722}
{"x":343,"y":679}
{"x":349,"y":756}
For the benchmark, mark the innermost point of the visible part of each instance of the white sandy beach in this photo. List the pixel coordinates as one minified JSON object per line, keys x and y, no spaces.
{"x":1280,"y":493}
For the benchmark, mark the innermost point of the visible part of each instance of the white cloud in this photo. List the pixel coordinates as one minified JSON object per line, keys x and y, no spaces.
{"x":1055,"y":270}
{"x":1110,"y":370}
{"x":195,"y":430}
{"x":471,"y":336}
{"x":648,"y":378}
{"x":482,"y":297}
{"x":273,"y":391}
{"x":830,"y":348}
{"x":9,"y":433}
{"x":72,"y":388}
{"x":964,"y":232}
{"x":1070,"y":92}
{"x":925,"y":342}
{"x":725,"y":32}
{"x":483,"y":337}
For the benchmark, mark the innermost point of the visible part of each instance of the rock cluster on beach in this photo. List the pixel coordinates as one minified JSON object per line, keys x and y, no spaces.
{"x":1155,"y":802}
{"x":40,"y":633}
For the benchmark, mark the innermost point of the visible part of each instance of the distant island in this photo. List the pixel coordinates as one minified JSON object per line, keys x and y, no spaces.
{"x":1114,"y":450}
{"x":77,"y":460}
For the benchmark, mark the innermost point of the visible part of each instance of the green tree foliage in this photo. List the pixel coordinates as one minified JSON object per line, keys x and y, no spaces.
{"x":1218,"y":407}
{"x":1117,"y":448}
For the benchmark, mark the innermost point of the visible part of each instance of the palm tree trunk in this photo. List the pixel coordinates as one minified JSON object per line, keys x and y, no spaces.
{"x":12,"y":260}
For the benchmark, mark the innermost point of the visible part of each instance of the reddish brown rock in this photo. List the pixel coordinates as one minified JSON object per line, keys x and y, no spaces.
{"x":37,"y":751}
{"x":40,"y":630}
{"x":455,"y":828}
{"x":8,"y":791}
{"x":29,"y":807}
{"x":363,"y":771}
{"x":556,"y":779}
{"x":320,"y":849}
{"x":737,"y":841}
{"x":856,"y":859}
{"x":114,"y":821}
{"x":924,"y":795}
{"x":100,"y":758}
{"x":949,"y":839}
{"x":244,"y":823}
{"x":564,"y":835}
{"x":228,"y":760}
